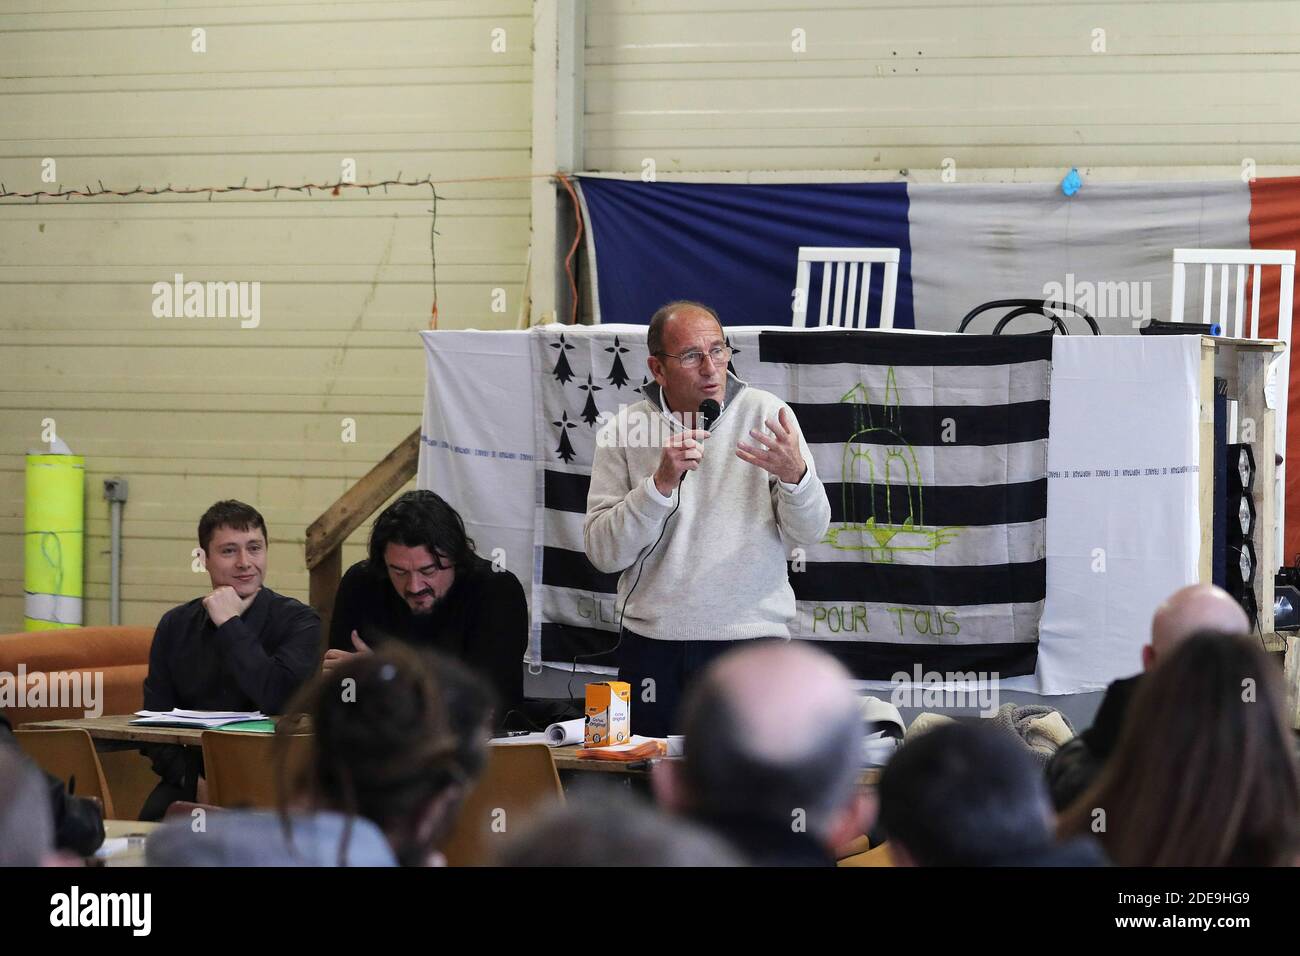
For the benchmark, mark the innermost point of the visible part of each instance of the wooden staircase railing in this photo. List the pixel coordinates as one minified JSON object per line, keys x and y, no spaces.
{"x":325,"y":535}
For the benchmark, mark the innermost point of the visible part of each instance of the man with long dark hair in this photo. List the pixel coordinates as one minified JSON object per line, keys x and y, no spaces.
{"x":423,"y":584}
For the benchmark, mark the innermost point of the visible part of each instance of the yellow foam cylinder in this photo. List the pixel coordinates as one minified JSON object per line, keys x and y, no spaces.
{"x":55,"y":529}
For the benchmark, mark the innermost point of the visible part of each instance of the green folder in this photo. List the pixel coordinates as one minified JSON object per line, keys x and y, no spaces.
{"x":251,"y":726}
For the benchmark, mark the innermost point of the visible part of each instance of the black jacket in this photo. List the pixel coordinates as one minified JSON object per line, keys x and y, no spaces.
{"x":78,"y":822}
{"x":482,"y":621}
{"x":1076,"y":765}
{"x":252,"y":662}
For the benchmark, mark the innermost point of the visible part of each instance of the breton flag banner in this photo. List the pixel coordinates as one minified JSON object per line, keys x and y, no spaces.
{"x":579,"y":375}
{"x":933,"y":453}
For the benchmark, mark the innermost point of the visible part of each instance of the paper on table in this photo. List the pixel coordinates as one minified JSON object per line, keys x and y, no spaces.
{"x":203,"y":714}
{"x":638,"y":748}
{"x":113,"y":846}
{"x":562,"y":734}
{"x":207,"y":720}
{"x":191,"y":722}
{"x":535,"y":738}
{"x":566,"y":732}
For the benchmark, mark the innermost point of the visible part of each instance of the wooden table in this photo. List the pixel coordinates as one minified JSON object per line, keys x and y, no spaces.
{"x":566,"y":758}
{"x":116,"y":733}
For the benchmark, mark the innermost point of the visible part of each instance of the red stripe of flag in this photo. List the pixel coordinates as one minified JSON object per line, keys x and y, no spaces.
{"x":1275,"y":224}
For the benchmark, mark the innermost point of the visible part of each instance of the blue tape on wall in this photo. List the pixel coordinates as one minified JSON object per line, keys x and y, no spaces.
{"x":735,"y":247}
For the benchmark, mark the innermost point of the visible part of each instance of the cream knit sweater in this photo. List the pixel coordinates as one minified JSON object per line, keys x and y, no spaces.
{"x":719,"y":573}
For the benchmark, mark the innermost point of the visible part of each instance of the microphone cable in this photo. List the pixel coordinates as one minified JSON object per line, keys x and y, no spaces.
{"x":708,"y":421}
{"x":619,"y":643}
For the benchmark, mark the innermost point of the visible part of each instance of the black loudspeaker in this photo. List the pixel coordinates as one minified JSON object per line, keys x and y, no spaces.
{"x":1219,"y":549}
{"x":1241,"y":533}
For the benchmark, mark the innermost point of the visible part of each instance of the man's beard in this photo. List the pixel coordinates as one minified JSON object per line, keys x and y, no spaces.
{"x":425,"y":611}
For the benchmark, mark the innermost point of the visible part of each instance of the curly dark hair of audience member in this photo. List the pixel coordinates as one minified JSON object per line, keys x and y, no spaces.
{"x":1205,"y":772}
{"x":420,"y":519}
{"x":471,"y":709}
{"x":381,"y":747}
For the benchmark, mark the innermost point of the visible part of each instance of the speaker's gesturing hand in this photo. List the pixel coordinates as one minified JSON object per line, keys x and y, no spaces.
{"x":681,"y":453}
{"x":780,"y":454}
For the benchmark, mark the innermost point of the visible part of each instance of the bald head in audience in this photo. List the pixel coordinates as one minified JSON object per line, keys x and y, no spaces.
{"x":1197,"y":608}
{"x":605,"y":827}
{"x":773,"y":739}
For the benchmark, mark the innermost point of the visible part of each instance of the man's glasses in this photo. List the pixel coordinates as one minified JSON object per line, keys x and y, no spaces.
{"x":718,"y":355}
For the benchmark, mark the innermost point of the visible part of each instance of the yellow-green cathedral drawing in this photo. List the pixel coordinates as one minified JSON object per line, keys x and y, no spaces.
{"x":879,"y":536}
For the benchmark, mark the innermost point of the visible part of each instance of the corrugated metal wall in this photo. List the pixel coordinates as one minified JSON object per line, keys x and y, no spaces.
{"x":190,"y":410}
{"x":886,"y":86}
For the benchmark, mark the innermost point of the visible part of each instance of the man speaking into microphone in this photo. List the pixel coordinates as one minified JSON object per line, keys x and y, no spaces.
{"x":700,"y":518}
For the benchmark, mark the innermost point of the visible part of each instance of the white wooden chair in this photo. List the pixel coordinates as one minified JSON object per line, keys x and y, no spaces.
{"x":1235,"y":324}
{"x":844,"y":300}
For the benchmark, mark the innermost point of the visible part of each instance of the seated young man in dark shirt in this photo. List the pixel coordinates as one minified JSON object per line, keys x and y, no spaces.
{"x":424,"y":585}
{"x":242,"y":647}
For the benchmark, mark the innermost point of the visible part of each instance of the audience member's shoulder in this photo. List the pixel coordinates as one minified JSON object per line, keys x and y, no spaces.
{"x":359,"y":573}
{"x":502,"y":583}
{"x":358,"y":582}
{"x":1122,"y":691}
{"x":1102,"y":737}
{"x":1070,"y":771}
{"x":252,"y":838}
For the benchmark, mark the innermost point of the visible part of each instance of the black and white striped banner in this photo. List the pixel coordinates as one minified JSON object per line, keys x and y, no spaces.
{"x":933,"y":451}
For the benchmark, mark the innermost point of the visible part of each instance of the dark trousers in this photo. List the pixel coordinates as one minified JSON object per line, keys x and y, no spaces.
{"x":660,"y":673}
{"x":163,"y":796}
{"x":179,"y":769}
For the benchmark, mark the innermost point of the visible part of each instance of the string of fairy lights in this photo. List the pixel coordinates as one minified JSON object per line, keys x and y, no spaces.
{"x":34,"y":197}
{"x":331,"y":189}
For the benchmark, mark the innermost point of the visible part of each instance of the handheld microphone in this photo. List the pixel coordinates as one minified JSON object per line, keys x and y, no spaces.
{"x":709,"y":412}
{"x":707,"y":415}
